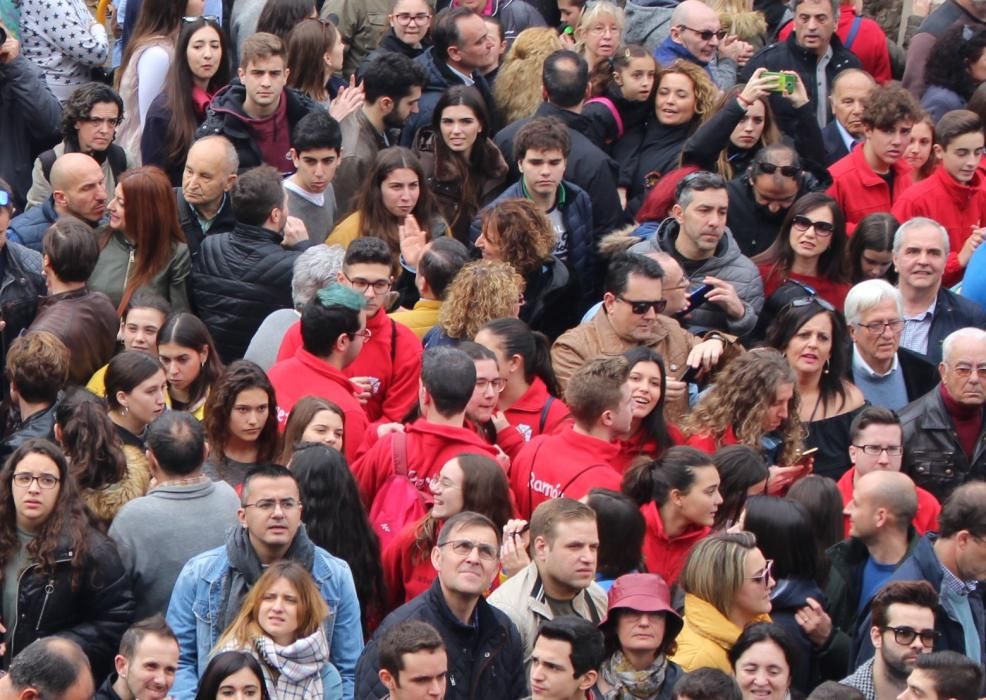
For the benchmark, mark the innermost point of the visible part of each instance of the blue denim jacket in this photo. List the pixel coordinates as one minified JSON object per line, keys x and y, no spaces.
{"x":195,"y":615}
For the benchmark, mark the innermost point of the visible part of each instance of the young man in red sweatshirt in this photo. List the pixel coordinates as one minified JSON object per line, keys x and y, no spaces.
{"x":573,"y":461}
{"x":388,"y":366}
{"x":874,"y":175}
{"x":954,"y":195}
{"x":448,"y":377}
{"x":333,"y":331}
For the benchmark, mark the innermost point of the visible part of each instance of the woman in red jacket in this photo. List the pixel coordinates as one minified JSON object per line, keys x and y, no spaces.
{"x":678,"y":496}
{"x":469,"y":482}
{"x":648,"y":436}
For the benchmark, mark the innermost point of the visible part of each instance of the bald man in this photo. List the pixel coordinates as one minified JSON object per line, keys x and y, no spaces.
{"x":697,"y":36}
{"x":51,"y":667}
{"x":204,"y":205}
{"x":880,"y":538}
{"x":850,"y":88}
{"x":78,"y":189}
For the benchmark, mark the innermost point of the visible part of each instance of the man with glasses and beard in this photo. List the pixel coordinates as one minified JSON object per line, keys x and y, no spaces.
{"x":903,"y":629}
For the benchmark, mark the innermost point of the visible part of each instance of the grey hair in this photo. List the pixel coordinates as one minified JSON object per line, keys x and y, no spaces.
{"x":867,"y":294}
{"x":836,"y":8}
{"x":917,"y":222}
{"x":969,"y":333}
{"x":49,"y":665}
{"x":699,"y":181}
{"x":229,"y":150}
{"x":315,"y":269}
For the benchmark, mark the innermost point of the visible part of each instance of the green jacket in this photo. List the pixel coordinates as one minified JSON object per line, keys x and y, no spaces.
{"x":116,"y":266}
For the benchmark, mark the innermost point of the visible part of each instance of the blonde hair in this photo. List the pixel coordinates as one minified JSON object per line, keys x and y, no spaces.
{"x":736,"y":18}
{"x":312,"y":608}
{"x":590,"y":15}
{"x":740,"y":398}
{"x":716,"y":569}
{"x":516,"y":92}
{"x":482,"y":291}
{"x":706,"y":93}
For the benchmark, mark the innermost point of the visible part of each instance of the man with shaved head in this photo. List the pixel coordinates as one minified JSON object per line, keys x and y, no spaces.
{"x":880,"y":512}
{"x":204,"y":204}
{"x":78,"y":189}
{"x":697,"y":36}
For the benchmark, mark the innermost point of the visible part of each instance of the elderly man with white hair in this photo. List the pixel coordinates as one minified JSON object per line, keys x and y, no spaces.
{"x":931,"y":312}
{"x":945,"y":430}
{"x":887,"y":374}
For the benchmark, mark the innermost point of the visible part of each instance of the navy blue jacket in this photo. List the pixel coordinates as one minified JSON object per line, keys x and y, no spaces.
{"x":29,"y":228}
{"x":952,"y":312}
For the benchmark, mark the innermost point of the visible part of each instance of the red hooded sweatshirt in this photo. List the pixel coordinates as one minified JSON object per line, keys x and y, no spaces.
{"x":925,"y":520}
{"x":526,"y":413}
{"x":661,"y":555}
{"x":429,"y":447}
{"x":957,"y":207}
{"x":306,"y":375}
{"x":568,"y":464}
{"x":392,"y":356}
{"x":860,"y":191}
{"x":406,"y":571}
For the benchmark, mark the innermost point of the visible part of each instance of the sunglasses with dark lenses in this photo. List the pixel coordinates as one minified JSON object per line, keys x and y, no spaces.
{"x":822,"y":228}
{"x":707,"y":34}
{"x":905,"y":635}
{"x":640,"y":307}
{"x":786,"y":170}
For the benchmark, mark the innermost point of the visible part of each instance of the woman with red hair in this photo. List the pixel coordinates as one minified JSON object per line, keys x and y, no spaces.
{"x":143,"y":246}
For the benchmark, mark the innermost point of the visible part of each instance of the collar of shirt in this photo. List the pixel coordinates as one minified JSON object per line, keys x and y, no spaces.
{"x":924,"y":315}
{"x":860,"y":364}
{"x":956,"y":585}
{"x":822,"y":88}
{"x":848,"y":139}
{"x":206,"y":224}
{"x":466,"y":79}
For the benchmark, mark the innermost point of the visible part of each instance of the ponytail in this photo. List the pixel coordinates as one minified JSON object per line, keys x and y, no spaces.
{"x":533,"y":347}
{"x":674,"y":471}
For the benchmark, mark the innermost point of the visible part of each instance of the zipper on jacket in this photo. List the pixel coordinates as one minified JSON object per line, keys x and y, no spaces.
{"x":126,"y":276}
{"x":49,"y":589}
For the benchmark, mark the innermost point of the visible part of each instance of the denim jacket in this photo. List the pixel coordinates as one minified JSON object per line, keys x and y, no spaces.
{"x":196,"y":613}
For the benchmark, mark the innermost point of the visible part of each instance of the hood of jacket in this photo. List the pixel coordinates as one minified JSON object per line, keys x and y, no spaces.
{"x":228,"y":102}
{"x":663,"y":240}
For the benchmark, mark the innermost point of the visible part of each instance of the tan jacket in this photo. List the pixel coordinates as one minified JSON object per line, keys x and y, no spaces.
{"x":521,"y":598}
{"x":597,"y":338}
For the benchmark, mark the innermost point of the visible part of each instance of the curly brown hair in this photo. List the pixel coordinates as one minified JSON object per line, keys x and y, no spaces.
{"x":706,"y":93}
{"x":888,"y":104}
{"x":517,"y":96}
{"x":522,"y":233}
{"x":740,"y":397}
{"x":239,"y":376}
{"x":483,"y":290}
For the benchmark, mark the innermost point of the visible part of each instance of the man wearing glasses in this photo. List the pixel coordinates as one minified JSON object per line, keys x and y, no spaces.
{"x":953,"y":561}
{"x":212,"y":585}
{"x":485,"y":656}
{"x":697,"y":37}
{"x":887,"y":374}
{"x":903,"y":629}
{"x":944,"y":430}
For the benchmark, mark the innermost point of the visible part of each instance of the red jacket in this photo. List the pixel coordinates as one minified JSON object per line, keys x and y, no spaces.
{"x":661,"y":555}
{"x":860,"y":191}
{"x":707,"y":443}
{"x":306,"y":375}
{"x":394,"y":360}
{"x":870,"y":44}
{"x":525,"y":414}
{"x":429,"y":447}
{"x":832,"y":292}
{"x":957,"y":207}
{"x":407,"y":572}
{"x":641,"y":444}
{"x":567,"y":464}
{"x":925,"y":520}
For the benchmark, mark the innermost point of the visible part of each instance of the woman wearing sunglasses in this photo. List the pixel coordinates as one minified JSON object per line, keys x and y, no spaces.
{"x":810,"y":248}
{"x":727,"y":583}
{"x":812,"y":335}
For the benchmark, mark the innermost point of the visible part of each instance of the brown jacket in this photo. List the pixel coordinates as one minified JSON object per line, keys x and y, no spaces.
{"x":597,"y":338}
{"x":86,"y":322}
{"x":360,"y":144}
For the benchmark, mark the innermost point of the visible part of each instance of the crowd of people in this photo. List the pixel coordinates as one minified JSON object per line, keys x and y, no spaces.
{"x":551,"y":349}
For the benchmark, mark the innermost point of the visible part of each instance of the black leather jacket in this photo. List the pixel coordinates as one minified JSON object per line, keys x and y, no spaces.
{"x":20,"y":287}
{"x":932,"y":454}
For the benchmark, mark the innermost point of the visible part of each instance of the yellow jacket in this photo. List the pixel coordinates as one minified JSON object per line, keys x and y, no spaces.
{"x":346,"y":231}
{"x":421,"y":318}
{"x":706,"y":637}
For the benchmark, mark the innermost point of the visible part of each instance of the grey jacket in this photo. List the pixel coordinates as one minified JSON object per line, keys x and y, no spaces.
{"x":728,"y":264}
{"x":648,"y":22}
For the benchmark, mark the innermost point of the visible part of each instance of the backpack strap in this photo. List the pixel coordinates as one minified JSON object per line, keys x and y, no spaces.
{"x":857,"y":21}
{"x":544,"y":414}
{"x":608,"y":104}
{"x":398,"y":448}
{"x":47,"y":160}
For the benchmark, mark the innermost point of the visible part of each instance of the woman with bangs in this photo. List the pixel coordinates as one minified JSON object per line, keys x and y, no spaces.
{"x":754,"y":402}
{"x":61,"y":576}
{"x":684,"y":98}
{"x":200,"y":69}
{"x":598,"y":34}
{"x":810,"y":248}
{"x":280,"y":625}
{"x":144,"y":246}
{"x":467,"y":483}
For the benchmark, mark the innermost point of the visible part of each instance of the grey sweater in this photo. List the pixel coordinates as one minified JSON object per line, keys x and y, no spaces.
{"x":158,"y":533}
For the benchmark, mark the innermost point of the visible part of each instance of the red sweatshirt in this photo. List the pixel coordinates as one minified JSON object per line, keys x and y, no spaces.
{"x":860,"y":191}
{"x":525,"y":414}
{"x":429,"y":447}
{"x":957,"y":207}
{"x":568,"y":464}
{"x":869,"y":45}
{"x":925,"y":520}
{"x":306,"y":375}
{"x":394,"y":361}
{"x":641,"y":444}
{"x":407,"y":572}
{"x":661,"y":555}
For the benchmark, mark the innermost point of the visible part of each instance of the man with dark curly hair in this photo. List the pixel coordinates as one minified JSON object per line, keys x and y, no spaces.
{"x":873,"y":175}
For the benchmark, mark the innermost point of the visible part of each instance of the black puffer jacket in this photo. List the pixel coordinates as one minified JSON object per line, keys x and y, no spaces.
{"x":20,"y":287}
{"x":95,"y":615}
{"x":238,"y":279}
{"x":485,"y":659}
